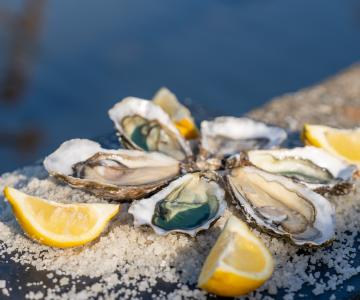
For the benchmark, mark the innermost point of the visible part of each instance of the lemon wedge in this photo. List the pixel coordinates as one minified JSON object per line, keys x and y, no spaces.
{"x":178,"y":113}
{"x":59,"y":225}
{"x":237,"y":264}
{"x":344,"y":143}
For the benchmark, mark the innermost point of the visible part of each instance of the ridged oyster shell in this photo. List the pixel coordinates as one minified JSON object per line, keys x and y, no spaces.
{"x":179,"y":114}
{"x":280,"y":206}
{"x":143,"y":125}
{"x":188,"y":204}
{"x":225,"y":136}
{"x":113,"y":174}
{"x":309,"y":165}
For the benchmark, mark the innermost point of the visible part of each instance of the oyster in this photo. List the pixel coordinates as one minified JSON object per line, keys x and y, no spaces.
{"x":114,"y":174}
{"x":280,"y":206}
{"x":179,"y":114}
{"x":309,"y":165}
{"x":143,"y":125}
{"x":189,"y":204}
{"x":226,"y":136}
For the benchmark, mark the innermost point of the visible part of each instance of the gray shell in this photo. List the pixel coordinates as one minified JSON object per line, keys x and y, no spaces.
{"x":340,"y":173}
{"x":60,"y":164}
{"x":143,"y":210}
{"x":130,"y":107}
{"x":270,"y":218}
{"x":225,"y":136}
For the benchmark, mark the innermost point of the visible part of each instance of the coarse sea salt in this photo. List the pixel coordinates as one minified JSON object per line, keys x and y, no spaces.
{"x":138,"y":259}
{"x":2,"y":284}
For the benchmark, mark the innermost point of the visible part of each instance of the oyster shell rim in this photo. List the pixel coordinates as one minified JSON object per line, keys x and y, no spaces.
{"x":343,"y":176}
{"x":144,"y":107}
{"x":267,"y":228}
{"x":140,"y":221}
{"x":206,"y":133}
{"x":124,"y":193}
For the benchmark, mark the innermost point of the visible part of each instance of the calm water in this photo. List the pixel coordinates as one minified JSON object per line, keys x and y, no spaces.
{"x":63,"y":64}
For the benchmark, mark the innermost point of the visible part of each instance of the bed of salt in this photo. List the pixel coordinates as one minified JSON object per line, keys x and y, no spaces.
{"x":134,"y":262}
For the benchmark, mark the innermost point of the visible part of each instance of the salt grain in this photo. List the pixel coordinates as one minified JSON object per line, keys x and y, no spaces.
{"x":136,"y":258}
{"x":64,"y":281}
{"x":5,"y":292}
{"x":34,"y":296}
{"x":2,"y":284}
{"x":350,"y":288}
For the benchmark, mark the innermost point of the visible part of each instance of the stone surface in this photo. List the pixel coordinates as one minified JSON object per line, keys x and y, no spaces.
{"x":334,"y":102}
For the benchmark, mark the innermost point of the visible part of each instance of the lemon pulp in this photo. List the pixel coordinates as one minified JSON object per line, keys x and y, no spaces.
{"x":237,"y":264}
{"x":346,"y":144}
{"x":59,"y":225}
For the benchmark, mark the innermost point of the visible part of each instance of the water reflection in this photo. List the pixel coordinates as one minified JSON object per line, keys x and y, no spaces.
{"x":20,"y":26}
{"x":64,"y":64}
{"x":25,"y":142}
{"x":23,"y":28}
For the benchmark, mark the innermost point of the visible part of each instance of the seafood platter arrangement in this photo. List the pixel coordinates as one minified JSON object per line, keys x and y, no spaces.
{"x":171,"y":178}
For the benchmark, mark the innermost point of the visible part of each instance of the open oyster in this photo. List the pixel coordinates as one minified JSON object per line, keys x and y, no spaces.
{"x":142,"y":125}
{"x":311,"y":166}
{"x":189,"y":204}
{"x":278,"y":205}
{"x":178,"y":113}
{"x":225,"y":136}
{"x":114,"y":174}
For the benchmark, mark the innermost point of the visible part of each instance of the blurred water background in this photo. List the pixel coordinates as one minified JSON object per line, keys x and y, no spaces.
{"x":63,"y":64}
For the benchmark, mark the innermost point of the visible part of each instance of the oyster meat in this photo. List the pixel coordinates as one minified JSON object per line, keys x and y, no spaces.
{"x":115,"y":174}
{"x":309,"y":165}
{"x":142,"y":125}
{"x":189,"y":204}
{"x":225,"y":136}
{"x":278,"y":205}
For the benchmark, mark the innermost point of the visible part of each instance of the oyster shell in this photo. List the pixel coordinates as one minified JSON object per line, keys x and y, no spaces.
{"x":178,"y":113}
{"x":309,"y":165}
{"x":114,"y":174}
{"x":189,"y":204}
{"x":142,"y":125}
{"x":225,"y":136}
{"x":278,"y":205}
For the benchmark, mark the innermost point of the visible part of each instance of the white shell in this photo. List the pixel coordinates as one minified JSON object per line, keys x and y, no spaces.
{"x":325,"y":212}
{"x":143,"y":209}
{"x":171,"y":105}
{"x":238,"y":129}
{"x":70,"y":153}
{"x":135,"y":106}
{"x":60,"y":164}
{"x":339,"y":169}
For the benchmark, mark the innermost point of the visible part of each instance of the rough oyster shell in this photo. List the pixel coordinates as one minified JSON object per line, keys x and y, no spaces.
{"x":225,"y":136}
{"x":113,"y":174}
{"x":278,"y":205}
{"x":188,"y":204}
{"x":309,"y":165}
{"x":178,"y":113}
{"x":142,"y":125}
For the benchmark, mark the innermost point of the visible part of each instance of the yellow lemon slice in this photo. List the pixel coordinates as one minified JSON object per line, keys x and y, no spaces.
{"x":179,"y":114}
{"x":237,"y":264}
{"x":59,"y":225}
{"x":344,"y":143}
